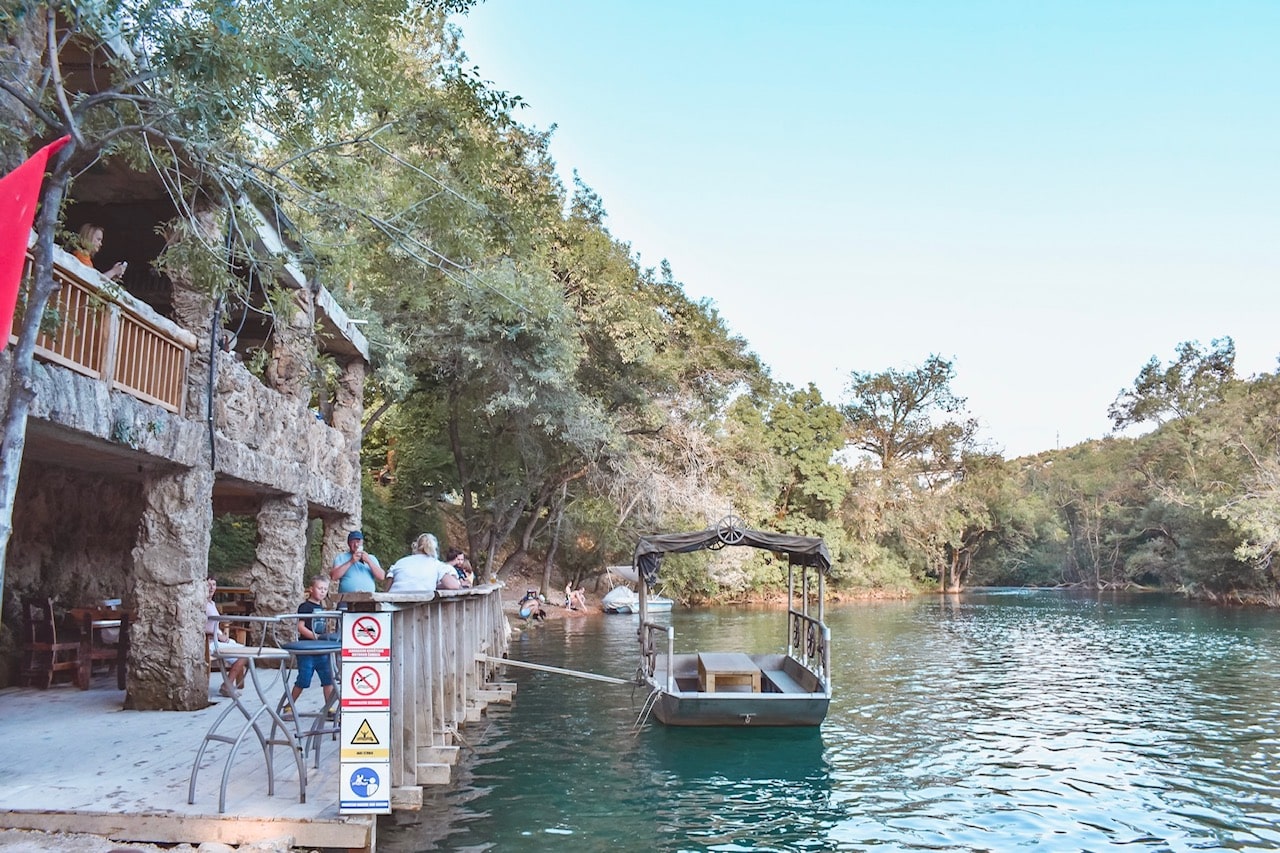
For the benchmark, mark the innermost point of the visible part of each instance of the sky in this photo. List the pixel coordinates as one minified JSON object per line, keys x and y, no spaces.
{"x":1048,"y":194}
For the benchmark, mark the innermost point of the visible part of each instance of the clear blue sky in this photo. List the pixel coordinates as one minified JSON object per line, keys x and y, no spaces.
{"x":1047,"y":193}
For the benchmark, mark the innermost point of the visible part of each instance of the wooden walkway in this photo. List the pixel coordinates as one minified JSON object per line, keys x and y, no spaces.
{"x":73,"y":761}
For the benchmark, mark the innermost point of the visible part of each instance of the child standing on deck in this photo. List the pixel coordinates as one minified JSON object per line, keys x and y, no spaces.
{"x":314,"y":629}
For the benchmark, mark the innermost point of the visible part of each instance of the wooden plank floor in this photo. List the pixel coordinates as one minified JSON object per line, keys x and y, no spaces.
{"x":73,"y":760}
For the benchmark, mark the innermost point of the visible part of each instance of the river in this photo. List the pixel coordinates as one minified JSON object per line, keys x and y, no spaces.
{"x":995,"y":720}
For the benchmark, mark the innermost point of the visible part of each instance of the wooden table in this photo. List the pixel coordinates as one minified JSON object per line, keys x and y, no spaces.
{"x":728,"y":669}
{"x":92,"y":621}
{"x":234,"y":600}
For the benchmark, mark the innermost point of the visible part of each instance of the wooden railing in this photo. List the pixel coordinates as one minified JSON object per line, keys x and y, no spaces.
{"x":113,"y":337}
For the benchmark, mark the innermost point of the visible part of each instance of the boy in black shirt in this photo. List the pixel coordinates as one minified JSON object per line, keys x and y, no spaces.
{"x":314,"y":629}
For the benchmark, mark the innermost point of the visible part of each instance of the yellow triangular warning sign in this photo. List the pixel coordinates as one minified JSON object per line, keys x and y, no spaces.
{"x":364,"y":734}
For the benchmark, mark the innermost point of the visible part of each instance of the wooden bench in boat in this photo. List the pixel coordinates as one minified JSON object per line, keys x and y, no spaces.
{"x":782,"y":681}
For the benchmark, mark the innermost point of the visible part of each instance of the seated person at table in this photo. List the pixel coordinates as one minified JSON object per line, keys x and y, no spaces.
{"x":422,"y":571}
{"x":217,"y":636}
{"x":314,"y":629}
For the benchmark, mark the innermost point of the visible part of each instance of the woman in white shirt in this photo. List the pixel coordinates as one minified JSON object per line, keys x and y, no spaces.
{"x":422,"y":571}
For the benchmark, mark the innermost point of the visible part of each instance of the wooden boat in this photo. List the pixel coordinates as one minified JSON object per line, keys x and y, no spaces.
{"x":735,"y":687}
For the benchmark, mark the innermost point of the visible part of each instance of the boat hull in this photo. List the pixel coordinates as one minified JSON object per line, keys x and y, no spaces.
{"x":655,"y":605}
{"x":746,"y":709}
{"x":765,"y":690}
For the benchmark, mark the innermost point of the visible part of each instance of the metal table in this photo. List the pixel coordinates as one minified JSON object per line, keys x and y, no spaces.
{"x":266,"y":650}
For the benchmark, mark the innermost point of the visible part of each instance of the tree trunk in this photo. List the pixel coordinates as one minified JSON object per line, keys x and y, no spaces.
{"x":13,"y":440}
{"x":557,"y":512}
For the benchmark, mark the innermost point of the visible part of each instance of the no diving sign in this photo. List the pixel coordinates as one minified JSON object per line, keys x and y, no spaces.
{"x":366,"y":684}
{"x":366,"y":635}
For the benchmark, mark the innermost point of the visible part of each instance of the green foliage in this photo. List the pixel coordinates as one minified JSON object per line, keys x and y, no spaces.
{"x":530,"y":367}
{"x":233,"y":546}
{"x":906,"y":417}
{"x":686,"y":578}
{"x":390,"y":526}
{"x":1195,"y":379}
{"x":806,"y":433}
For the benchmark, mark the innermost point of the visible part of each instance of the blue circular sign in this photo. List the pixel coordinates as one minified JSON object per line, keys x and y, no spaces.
{"x":364,"y":782}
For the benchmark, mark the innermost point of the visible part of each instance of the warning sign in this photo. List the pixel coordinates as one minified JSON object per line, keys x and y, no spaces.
{"x":366,"y":737}
{"x":366,"y":635}
{"x":366,"y":684}
{"x":365,"y":775}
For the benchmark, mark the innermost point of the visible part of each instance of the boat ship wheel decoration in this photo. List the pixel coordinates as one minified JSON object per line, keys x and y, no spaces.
{"x":731,"y":530}
{"x":814,"y":643}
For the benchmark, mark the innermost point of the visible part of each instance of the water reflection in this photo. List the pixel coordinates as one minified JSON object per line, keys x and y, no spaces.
{"x":986,"y":721}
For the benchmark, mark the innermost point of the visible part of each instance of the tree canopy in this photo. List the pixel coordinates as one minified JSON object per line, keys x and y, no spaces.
{"x":554,"y":392}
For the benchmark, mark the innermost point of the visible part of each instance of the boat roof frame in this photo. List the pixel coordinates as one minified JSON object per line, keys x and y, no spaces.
{"x":808,"y":551}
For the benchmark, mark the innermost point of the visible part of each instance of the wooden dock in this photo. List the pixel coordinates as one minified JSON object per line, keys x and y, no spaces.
{"x":74,"y":761}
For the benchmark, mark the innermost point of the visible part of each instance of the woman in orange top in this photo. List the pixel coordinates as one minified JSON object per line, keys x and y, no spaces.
{"x":90,"y":241}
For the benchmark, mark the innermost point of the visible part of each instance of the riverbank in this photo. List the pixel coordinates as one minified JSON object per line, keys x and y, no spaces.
{"x":516,"y":587}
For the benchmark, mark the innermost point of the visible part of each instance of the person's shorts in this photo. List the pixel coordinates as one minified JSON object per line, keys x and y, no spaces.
{"x":525,"y":612}
{"x":318,"y":664}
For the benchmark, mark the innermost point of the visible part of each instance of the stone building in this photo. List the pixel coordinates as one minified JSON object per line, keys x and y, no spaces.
{"x":148,"y":422}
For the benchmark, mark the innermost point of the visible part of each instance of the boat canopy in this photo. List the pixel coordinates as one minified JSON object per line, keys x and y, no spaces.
{"x":800,"y":550}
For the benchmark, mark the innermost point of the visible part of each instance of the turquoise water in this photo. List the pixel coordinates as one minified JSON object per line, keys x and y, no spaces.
{"x":998,"y":720}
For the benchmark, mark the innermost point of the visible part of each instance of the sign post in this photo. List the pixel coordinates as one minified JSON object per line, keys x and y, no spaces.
{"x":366,"y":714}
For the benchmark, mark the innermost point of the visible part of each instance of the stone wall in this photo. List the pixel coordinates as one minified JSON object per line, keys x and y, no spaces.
{"x":266,"y":438}
{"x":72,"y":536}
{"x":116,"y":502}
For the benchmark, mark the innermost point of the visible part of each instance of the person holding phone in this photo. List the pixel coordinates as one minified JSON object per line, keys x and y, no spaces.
{"x":356,"y":570}
{"x":89,"y":241}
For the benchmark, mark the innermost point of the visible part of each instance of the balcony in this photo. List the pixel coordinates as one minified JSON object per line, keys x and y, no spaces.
{"x":104,"y":333}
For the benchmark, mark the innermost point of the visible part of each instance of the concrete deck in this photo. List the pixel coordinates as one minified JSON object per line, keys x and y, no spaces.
{"x":73,"y":761}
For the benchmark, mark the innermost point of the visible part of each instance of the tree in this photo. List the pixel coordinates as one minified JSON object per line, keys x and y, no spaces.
{"x":1191,"y":382}
{"x":204,"y":91}
{"x":892,"y":415}
{"x":805,"y":433}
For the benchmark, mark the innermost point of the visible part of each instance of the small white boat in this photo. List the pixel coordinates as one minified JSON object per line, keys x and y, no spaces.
{"x":621,"y":599}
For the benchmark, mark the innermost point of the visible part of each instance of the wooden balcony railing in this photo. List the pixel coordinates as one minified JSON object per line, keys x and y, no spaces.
{"x":113,"y":337}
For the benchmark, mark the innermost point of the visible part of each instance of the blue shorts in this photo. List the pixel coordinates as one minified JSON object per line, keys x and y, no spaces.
{"x":319,"y":664}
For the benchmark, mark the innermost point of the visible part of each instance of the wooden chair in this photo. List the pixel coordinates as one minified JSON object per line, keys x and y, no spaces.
{"x":45,"y":652}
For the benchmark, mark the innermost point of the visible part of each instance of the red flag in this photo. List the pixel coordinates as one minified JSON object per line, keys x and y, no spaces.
{"x":19,"y":194}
